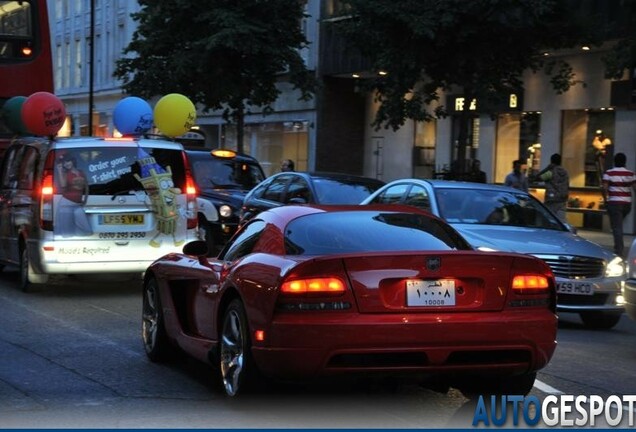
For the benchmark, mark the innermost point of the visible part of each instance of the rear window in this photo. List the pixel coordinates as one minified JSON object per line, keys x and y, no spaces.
{"x":210,"y":172}
{"x":368,"y":231}
{"x":331,"y":191}
{"x":113,"y":170}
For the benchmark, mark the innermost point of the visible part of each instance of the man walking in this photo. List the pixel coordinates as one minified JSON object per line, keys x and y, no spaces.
{"x":557,"y":186}
{"x":517,"y":179}
{"x":618,"y":183}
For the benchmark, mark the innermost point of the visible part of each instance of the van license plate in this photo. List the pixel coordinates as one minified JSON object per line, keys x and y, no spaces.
{"x":121,"y":219}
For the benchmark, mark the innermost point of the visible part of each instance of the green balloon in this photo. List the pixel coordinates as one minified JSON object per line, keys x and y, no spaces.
{"x":12,"y":114}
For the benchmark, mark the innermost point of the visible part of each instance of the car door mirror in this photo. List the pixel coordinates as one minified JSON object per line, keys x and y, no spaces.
{"x":297,"y":200}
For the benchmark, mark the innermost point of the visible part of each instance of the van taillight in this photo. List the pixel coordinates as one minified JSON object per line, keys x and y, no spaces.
{"x":191,"y":194}
{"x":46,"y":201}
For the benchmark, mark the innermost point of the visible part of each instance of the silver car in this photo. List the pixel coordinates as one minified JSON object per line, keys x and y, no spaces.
{"x":589,"y":277}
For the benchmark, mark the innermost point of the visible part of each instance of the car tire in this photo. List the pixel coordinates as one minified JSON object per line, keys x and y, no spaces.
{"x":28,"y":278}
{"x":497,"y":385}
{"x":600,"y":320}
{"x":153,"y":331}
{"x":238,"y":372}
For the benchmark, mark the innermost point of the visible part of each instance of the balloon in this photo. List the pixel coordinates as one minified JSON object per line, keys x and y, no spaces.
{"x":43,"y":113}
{"x":175,"y":114}
{"x":132,"y":116}
{"x":12,"y":113}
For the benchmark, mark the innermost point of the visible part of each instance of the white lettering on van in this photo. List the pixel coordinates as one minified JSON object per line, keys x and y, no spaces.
{"x":97,"y":166}
{"x":118,"y":161}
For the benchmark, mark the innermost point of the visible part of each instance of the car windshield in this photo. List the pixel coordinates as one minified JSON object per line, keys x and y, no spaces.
{"x":494,"y":207}
{"x":367,"y":231}
{"x":226,"y":174}
{"x":349,"y":191}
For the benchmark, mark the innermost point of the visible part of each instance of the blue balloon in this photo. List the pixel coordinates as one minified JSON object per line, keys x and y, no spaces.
{"x":132,"y":116}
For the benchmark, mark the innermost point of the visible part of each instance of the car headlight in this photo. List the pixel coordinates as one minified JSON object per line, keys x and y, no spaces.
{"x":615,"y":268}
{"x":225,"y":210}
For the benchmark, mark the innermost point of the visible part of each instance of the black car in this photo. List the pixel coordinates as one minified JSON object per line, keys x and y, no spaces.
{"x":307,"y":188}
{"x":223,"y":178}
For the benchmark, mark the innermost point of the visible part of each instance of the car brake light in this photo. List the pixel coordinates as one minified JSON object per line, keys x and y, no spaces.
{"x":328,"y":285}
{"x":529,"y":284}
{"x":47,"y":186}
{"x":47,"y":190}
{"x":191,"y":194}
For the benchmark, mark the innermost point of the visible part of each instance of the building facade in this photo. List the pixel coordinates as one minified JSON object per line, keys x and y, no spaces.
{"x":332,"y":131}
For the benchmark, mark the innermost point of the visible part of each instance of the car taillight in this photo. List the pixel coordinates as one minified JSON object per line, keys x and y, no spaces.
{"x":191,"y":194}
{"x":530,"y":284}
{"x":314,"y":286}
{"x":47,"y":190}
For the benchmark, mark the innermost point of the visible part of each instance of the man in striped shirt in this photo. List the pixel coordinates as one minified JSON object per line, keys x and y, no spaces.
{"x":618,"y":183}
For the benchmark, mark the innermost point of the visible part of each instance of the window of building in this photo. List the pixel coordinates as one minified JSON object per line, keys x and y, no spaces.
{"x":584,"y":162}
{"x":518,"y":137}
{"x":424,"y":151}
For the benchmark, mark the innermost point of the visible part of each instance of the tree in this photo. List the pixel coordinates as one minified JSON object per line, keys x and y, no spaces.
{"x":478,"y":47}
{"x":223,"y":54}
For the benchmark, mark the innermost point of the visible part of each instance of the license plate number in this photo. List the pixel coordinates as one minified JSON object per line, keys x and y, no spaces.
{"x":122,"y":219}
{"x":439,"y":292}
{"x":577,"y":288}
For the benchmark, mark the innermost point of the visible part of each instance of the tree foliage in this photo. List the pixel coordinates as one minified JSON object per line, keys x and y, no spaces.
{"x":479,"y":48}
{"x":222,"y":54}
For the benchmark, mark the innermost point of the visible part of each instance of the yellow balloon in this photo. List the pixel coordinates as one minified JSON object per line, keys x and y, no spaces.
{"x":174,"y":114}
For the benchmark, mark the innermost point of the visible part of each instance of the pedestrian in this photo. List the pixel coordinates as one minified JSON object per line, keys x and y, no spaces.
{"x":287,"y":165}
{"x":476,"y":174}
{"x":618,"y":183}
{"x":517,"y":179}
{"x":557,"y":186}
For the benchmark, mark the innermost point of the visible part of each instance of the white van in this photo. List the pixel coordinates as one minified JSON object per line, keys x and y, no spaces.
{"x":93,"y":205}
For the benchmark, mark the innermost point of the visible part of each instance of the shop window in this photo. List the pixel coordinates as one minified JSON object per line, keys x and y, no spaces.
{"x":424,"y":150}
{"x":580,"y":157}
{"x":518,"y":137}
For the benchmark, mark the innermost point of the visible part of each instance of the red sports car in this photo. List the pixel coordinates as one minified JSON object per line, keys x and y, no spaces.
{"x":305,"y":291}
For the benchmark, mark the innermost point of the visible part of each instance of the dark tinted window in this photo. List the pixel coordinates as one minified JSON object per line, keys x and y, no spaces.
{"x":244,"y":242}
{"x":299,"y":190}
{"x":210,"y":172}
{"x":113,"y":170}
{"x":391,"y":195}
{"x":364,"y":231}
{"x":11,"y":165}
{"x":332,"y":191}
{"x":275,"y":189}
{"x":28,"y":167}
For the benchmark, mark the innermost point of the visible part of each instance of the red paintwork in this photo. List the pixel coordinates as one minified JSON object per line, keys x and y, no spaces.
{"x":306,"y":343}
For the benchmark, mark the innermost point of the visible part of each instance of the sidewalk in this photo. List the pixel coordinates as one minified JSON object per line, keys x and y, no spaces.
{"x":605,"y":239}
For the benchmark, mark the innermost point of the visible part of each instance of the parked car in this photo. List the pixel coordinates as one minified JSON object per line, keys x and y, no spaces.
{"x":630,"y":283}
{"x":307,"y":188}
{"x":307,"y":291}
{"x":223,"y":178}
{"x":92,"y":206}
{"x":499,"y":218}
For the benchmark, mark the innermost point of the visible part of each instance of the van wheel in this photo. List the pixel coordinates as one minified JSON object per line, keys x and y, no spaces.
{"x":28,"y":278}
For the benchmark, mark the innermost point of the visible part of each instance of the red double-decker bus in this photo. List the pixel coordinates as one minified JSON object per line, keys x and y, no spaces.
{"x":25,"y":54}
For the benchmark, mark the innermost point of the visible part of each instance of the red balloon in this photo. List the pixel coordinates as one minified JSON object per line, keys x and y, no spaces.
{"x":43,"y":113}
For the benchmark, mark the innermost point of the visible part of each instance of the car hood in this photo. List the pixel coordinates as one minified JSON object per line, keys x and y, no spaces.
{"x":534,"y":241}
{"x":233,"y":197}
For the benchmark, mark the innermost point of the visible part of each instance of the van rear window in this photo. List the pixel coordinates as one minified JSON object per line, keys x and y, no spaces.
{"x":115,"y":170}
